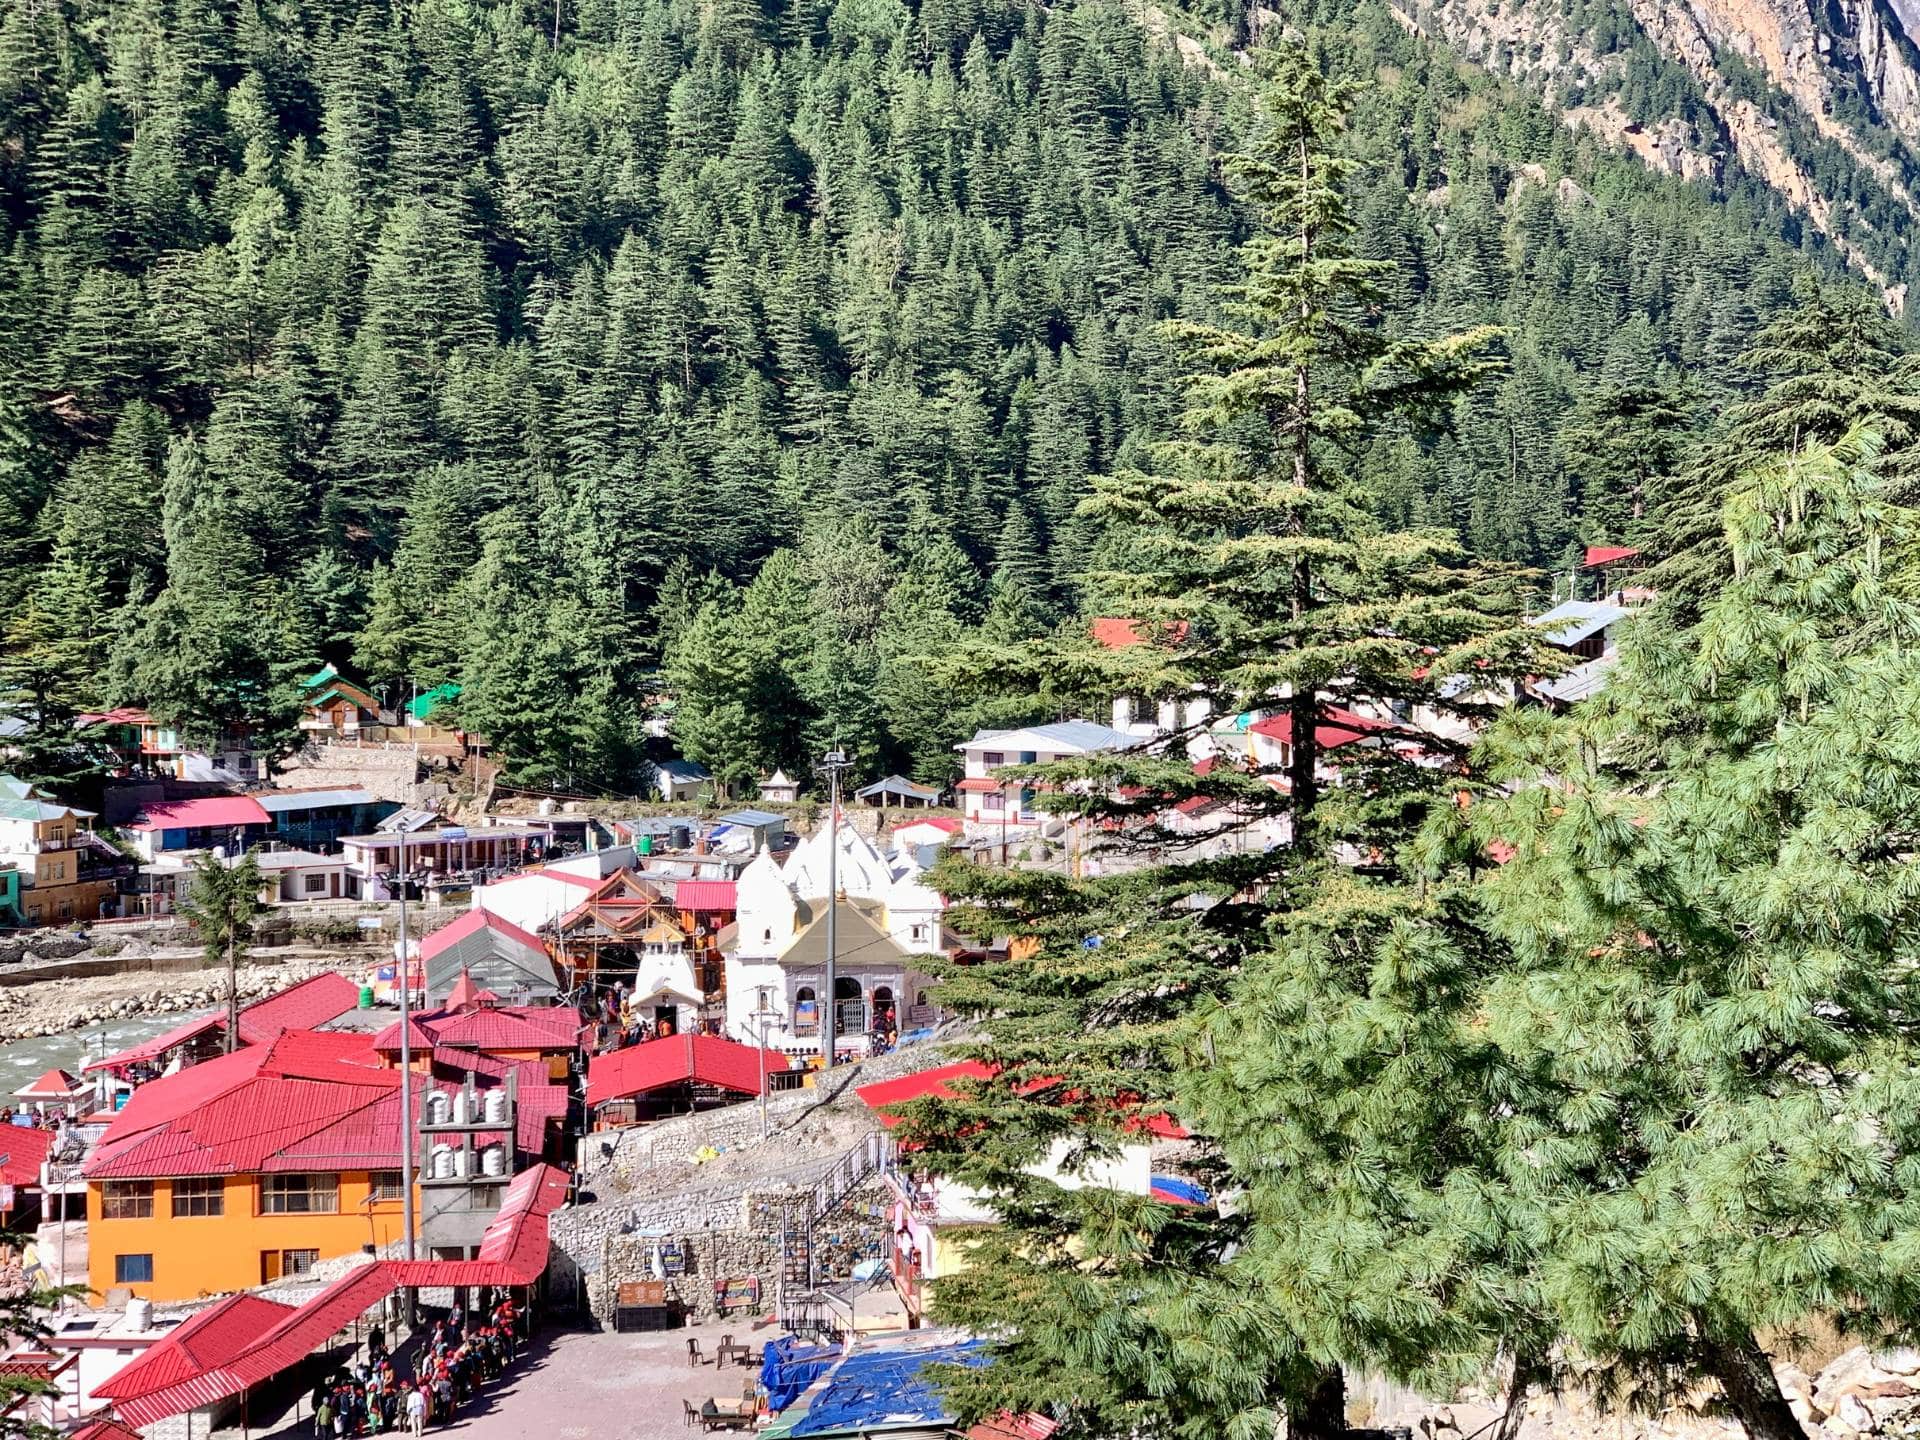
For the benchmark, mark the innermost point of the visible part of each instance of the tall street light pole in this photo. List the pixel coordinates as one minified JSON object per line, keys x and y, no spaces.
{"x":403,"y":973}
{"x":833,"y":762}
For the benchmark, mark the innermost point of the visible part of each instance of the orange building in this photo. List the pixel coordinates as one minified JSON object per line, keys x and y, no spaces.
{"x":246,"y":1168}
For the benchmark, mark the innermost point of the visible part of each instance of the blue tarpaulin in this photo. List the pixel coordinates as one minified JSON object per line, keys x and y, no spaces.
{"x":1178,"y":1191}
{"x":887,"y":1385}
{"x":788,"y":1367}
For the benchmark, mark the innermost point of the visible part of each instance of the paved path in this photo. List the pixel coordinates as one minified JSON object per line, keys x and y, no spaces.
{"x":589,"y":1385}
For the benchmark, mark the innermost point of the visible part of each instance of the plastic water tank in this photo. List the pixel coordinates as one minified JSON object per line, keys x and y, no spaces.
{"x":493,"y":1160}
{"x":680,"y":836}
{"x":645,"y":846}
{"x":459,"y":1107}
{"x":442,"y":1161}
{"x":438,"y":1107}
{"x":460,"y":1162}
{"x":496,"y":1106}
{"x":139,"y":1314}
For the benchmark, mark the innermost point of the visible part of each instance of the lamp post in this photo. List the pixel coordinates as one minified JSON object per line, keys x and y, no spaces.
{"x":833,"y":763}
{"x":402,"y":973}
{"x":763,"y":1014}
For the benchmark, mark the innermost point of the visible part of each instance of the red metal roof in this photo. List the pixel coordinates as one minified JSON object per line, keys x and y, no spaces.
{"x":53,"y":1084}
{"x":210,"y":1338}
{"x":678,"y":1060}
{"x":509,"y":1028}
{"x":105,"y":1429}
{"x":1598,"y":555}
{"x":21,"y":1153}
{"x":312,"y":1002}
{"x":979,"y":784}
{"x":215,"y":810}
{"x":938,"y":822}
{"x":1120,"y":634}
{"x":124,"y":715}
{"x":706,"y":895}
{"x":1335,"y":728}
{"x":308,"y":1101}
{"x":472,"y":923}
{"x":513,"y":1252}
{"x":937,"y":1083}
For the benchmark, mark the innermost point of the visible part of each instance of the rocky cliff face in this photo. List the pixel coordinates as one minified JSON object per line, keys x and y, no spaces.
{"x":1819,"y":99}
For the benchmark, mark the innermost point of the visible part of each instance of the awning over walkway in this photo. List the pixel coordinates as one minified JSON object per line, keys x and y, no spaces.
{"x":513,"y":1252}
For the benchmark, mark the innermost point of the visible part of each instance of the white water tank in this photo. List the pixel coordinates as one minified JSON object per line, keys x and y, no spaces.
{"x":460,"y":1162}
{"x":441,"y":1163}
{"x":437,"y":1107}
{"x":139,"y":1314}
{"x":496,"y":1107}
{"x":493,"y":1160}
{"x":459,"y":1107}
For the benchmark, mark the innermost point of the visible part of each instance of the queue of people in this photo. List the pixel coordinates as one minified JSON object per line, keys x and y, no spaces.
{"x":454,"y":1362}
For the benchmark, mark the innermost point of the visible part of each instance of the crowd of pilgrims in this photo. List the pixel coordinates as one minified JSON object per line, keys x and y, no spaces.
{"x":455,"y":1360}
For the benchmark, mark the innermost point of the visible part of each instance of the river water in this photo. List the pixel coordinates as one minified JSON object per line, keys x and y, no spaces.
{"x":23,"y":1061}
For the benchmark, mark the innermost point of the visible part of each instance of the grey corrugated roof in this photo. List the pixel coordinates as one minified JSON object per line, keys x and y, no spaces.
{"x":1572,"y":621}
{"x":684,"y":770}
{"x":897,"y":785}
{"x":275,"y":802}
{"x":861,"y":938}
{"x":756,"y":819}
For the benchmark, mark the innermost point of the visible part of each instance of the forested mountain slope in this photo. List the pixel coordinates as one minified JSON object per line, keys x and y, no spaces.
{"x":449,"y":340}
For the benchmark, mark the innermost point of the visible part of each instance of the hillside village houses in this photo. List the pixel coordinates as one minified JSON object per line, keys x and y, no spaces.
{"x":51,"y":871}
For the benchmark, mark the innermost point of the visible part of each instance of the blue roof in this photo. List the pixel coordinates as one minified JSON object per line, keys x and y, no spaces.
{"x":885,"y":1385}
{"x":753,"y":819}
{"x":1572,"y":621}
{"x":684,"y":770}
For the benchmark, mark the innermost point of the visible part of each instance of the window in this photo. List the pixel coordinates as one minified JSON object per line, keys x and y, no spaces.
{"x":127,"y":1200}
{"x":314,"y":884}
{"x":919,"y":934}
{"x":302,"y":1194}
{"x":993,"y":800}
{"x":276,"y":1263}
{"x":200,"y":1195}
{"x":132,"y":1269}
{"x":993,"y":757}
{"x":384,"y":1185}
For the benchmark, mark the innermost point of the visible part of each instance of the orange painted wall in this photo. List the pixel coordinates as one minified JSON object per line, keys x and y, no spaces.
{"x":205,"y":1255}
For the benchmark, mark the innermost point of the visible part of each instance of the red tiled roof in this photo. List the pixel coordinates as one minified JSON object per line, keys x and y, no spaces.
{"x":512,"y":1252}
{"x":1336,"y":727}
{"x":979,"y":785}
{"x":1008,"y":1426}
{"x":706,"y":895}
{"x":1120,"y":634}
{"x":472,"y":923}
{"x":677,"y":1060}
{"x":464,"y":993}
{"x":216,"y":810}
{"x":1598,"y":555}
{"x":937,"y":1083}
{"x":210,"y":1338}
{"x":21,"y":1152}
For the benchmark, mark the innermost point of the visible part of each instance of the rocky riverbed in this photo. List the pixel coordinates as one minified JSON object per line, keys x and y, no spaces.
{"x":56,"y":1007}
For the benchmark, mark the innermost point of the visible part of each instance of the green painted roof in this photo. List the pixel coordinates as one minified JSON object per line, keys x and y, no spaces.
{"x":423,"y":704}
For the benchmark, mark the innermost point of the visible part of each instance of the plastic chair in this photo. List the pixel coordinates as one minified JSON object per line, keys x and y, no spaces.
{"x":694,"y":1357}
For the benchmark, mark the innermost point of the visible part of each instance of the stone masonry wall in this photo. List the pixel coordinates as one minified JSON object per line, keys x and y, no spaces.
{"x":387,"y":771}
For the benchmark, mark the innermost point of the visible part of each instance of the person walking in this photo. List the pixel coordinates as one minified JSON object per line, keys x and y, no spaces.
{"x":417,"y":1411}
{"x":323,"y":1418}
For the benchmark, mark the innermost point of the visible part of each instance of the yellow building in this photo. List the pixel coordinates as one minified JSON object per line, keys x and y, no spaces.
{"x":245,"y":1168}
{"x":181,"y":1237}
{"x":60,"y":879}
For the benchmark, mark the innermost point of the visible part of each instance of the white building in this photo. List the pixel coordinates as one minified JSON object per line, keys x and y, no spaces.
{"x":536,"y":899}
{"x":884,"y":916}
{"x":989,"y":800}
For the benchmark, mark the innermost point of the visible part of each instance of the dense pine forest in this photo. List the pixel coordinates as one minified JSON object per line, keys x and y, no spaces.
{"x":752,"y":353}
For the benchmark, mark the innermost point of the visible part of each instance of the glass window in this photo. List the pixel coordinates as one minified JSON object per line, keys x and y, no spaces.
{"x":300,"y":1194}
{"x":132,"y":1269}
{"x":298,"y":1262}
{"x":127,"y":1200}
{"x":993,"y":800}
{"x":993,"y":757}
{"x":385,"y":1184}
{"x":315,"y":884}
{"x":200,"y":1195}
